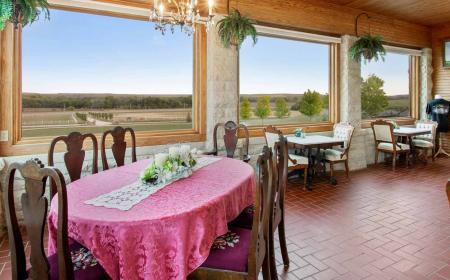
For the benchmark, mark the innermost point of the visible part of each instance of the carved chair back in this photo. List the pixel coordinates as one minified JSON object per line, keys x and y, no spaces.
{"x":280,"y":157}
{"x":344,"y":131}
{"x":231,"y":137}
{"x":119,"y":146}
{"x":259,"y":249}
{"x":75,"y":155}
{"x":383,"y":132}
{"x":428,"y":124}
{"x":34,"y":207}
{"x":272,"y":135}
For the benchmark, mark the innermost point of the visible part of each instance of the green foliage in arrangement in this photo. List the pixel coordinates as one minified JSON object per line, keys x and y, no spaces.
{"x":22,"y":12}
{"x":246,"y":111}
{"x":262,"y":109}
{"x":234,"y":28}
{"x":373,"y":97}
{"x":311,"y":104}
{"x":281,"y":108}
{"x":369,"y":47}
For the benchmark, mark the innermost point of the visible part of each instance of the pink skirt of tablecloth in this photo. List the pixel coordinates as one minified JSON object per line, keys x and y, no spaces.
{"x":167,"y":235}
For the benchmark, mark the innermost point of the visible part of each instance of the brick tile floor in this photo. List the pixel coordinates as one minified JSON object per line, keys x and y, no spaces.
{"x":377,"y":225}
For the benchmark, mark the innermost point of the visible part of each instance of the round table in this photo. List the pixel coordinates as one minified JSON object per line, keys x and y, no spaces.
{"x":165,"y":236}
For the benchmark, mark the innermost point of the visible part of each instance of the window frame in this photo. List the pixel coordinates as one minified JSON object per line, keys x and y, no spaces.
{"x":414,"y":87}
{"x":333,"y":74}
{"x":17,"y":145}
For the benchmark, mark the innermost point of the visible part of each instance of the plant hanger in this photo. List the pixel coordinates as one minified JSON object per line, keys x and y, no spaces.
{"x":356,"y":22}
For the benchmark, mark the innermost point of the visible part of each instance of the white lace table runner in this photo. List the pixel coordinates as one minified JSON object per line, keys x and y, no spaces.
{"x":130,"y":195}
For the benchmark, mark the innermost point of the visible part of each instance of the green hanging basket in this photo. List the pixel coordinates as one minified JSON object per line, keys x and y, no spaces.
{"x":234,"y":28}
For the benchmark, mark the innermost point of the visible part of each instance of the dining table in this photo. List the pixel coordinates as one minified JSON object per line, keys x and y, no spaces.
{"x":312,"y":145}
{"x":165,"y":235}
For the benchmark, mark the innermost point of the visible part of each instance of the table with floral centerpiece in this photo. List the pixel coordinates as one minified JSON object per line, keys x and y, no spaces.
{"x":168,"y":232}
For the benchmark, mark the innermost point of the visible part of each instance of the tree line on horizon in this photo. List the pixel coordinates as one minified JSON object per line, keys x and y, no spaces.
{"x":105,"y":102}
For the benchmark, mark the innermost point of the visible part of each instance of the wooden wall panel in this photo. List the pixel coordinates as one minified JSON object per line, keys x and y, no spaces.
{"x":441,"y":75}
{"x":324,"y":17}
{"x":317,"y":16}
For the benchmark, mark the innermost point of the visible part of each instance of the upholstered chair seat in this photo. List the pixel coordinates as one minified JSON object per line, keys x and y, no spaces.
{"x":297,"y":159}
{"x":230,"y":251}
{"x":390,"y":146}
{"x":334,"y":154}
{"x":85,"y":265}
{"x":422,"y":143}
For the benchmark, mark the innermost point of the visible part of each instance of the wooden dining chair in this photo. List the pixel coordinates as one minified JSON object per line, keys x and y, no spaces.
{"x":336,"y":155}
{"x":295,"y":162}
{"x":426,"y":143}
{"x":119,"y":146}
{"x":230,"y":138}
{"x":281,"y":160}
{"x":75,"y":155}
{"x":385,"y":142}
{"x":242,"y":253}
{"x":72,"y":260}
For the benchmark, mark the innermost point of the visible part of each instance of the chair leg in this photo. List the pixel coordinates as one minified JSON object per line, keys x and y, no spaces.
{"x":305,"y":176}
{"x":266,"y":269}
{"x":331,"y":170}
{"x":283,"y":246}
{"x":394,"y":160}
{"x":407,"y":159}
{"x":346,"y":168}
{"x":272,"y":261}
{"x":376,"y":156}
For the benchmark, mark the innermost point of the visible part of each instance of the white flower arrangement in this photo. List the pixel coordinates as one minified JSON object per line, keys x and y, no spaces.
{"x":177,"y":164}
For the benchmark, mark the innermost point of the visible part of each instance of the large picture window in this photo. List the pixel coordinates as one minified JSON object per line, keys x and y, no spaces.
{"x":385,"y":89}
{"x":284,"y":82}
{"x":85,"y":72}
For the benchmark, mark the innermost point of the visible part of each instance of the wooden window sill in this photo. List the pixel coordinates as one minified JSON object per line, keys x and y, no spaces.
{"x":40,"y":145}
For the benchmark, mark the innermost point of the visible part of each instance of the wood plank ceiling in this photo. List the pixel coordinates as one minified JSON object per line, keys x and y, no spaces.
{"x":425,"y":12}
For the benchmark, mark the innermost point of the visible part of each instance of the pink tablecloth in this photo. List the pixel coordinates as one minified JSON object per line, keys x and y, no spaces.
{"x":167,"y":235}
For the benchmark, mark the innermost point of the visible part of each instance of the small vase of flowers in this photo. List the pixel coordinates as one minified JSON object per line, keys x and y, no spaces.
{"x":166,"y":167}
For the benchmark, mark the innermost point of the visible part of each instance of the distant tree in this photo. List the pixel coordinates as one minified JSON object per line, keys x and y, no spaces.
{"x":373,"y":96}
{"x":311,"y":104}
{"x":262,"y":109}
{"x":281,"y":108}
{"x":245,"y":113}
{"x":326,"y":101}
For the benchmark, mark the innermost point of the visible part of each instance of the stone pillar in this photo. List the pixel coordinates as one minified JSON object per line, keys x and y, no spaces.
{"x":426,"y":85}
{"x":222,"y":88}
{"x":350,"y":103}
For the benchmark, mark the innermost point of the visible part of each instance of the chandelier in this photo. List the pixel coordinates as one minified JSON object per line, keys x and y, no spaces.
{"x":184,"y":13}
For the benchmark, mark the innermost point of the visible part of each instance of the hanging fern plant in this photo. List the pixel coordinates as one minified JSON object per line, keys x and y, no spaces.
{"x":22,"y":12}
{"x":367,"y":46}
{"x":234,"y":29}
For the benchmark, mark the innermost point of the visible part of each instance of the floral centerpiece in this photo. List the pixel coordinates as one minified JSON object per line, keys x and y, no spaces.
{"x":166,"y":167}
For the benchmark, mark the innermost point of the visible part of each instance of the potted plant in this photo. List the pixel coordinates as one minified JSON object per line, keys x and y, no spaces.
{"x":234,"y":28}
{"x":368,"y":46}
{"x":22,"y":12}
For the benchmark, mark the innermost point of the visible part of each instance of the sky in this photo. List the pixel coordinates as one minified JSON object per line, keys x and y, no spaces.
{"x":84,"y":53}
